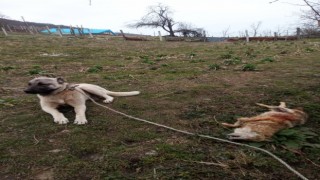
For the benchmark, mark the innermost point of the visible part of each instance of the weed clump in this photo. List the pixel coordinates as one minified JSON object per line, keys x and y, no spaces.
{"x":192,"y":54}
{"x":309,"y":50}
{"x":197,"y":61}
{"x":233,"y":61}
{"x":160,"y":57}
{"x":145,"y":59}
{"x":267,"y":59}
{"x":295,"y":138}
{"x":36,"y":70}
{"x":95,"y":69}
{"x":226,"y":56}
{"x":7,"y":68}
{"x":251,"y":53}
{"x":249,"y":67}
{"x":214,"y":67}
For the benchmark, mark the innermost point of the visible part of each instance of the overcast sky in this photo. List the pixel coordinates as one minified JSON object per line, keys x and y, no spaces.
{"x":214,"y":16}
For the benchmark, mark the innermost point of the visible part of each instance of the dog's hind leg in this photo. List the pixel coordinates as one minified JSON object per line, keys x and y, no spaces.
{"x":280,"y":108}
{"x":96,"y":90}
{"x":236,"y":124}
{"x":99,"y":91}
{"x":282,"y":104}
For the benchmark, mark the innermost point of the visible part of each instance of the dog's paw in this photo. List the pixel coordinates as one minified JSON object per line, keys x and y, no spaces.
{"x":108,"y":100}
{"x":62,"y":120}
{"x":80,"y":121}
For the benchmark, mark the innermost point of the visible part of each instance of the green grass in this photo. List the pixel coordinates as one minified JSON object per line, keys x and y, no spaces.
{"x":189,"y":86}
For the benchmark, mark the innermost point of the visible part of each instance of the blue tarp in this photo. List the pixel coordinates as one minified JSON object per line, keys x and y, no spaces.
{"x":76,"y":31}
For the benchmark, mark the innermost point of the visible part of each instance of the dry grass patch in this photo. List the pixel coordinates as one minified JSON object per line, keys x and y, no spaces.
{"x":181,"y":86}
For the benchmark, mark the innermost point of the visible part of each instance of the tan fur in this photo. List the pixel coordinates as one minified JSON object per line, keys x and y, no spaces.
{"x":54,"y":92}
{"x":262,"y":127}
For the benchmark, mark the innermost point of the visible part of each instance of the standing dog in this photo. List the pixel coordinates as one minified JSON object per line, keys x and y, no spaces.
{"x":263,"y":126}
{"x":54,"y":92}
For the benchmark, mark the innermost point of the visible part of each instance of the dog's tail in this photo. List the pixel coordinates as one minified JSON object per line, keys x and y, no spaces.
{"x":130,"y":93}
{"x":99,"y":91}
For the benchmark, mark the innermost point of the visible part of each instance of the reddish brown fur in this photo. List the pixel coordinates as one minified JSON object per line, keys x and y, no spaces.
{"x":262,"y":127}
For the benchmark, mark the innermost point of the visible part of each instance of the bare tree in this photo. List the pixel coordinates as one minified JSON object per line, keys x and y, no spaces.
{"x":158,"y":16}
{"x":225,"y":32}
{"x":310,"y":18}
{"x":241,"y":34}
{"x":255,"y":28}
{"x":267,"y":33}
{"x":312,"y":14}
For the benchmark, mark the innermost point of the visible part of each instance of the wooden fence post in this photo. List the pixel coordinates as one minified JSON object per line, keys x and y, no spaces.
{"x":204,"y":34}
{"x":161,"y":38}
{"x":247,"y":36}
{"x":90,"y":33}
{"x":27,"y":25}
{"x":72,"y":31}
{"x":59,"y":31}
{"x":125,"y":38}
{"x":4,"y":31}
{"x":22,"y":28}
{"x":35,"y":29}
{"x":82,"y":30}
{"x":298,"y":33}
{"x":49,"y":32}
{"x":9,"y":28}
{"x":79,"y":30}
{"x":275,"y":36}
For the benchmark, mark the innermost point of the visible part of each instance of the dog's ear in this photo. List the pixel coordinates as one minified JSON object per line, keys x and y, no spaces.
{"x":60,"y":80}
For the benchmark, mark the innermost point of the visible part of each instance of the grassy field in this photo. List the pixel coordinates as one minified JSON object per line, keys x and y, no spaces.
{"x":189,"y":86}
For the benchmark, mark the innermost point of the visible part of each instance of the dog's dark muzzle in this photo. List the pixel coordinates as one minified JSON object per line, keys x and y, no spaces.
{"x":29,"y":91}
{"x":41,"y":90}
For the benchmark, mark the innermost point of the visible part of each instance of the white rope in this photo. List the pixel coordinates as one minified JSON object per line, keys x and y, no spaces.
{"x":194,"y":134}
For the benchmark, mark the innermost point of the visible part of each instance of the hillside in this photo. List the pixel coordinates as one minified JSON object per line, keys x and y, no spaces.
{"x":16,"y":23}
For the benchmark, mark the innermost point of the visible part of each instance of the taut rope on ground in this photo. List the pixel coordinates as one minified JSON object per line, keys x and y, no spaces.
{"x":194,"y":134}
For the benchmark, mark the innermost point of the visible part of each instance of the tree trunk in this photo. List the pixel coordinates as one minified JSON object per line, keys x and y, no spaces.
{"x":171,"y":32}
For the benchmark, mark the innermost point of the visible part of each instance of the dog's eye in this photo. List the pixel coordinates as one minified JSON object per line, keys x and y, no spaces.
{"x":29,"y":84}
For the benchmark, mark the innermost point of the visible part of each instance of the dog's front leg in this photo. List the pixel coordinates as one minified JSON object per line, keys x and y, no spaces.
{"x":51,"y":109}
{"x":80,"y":114}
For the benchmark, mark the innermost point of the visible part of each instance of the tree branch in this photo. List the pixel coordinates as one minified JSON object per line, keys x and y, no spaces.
{"x":312,"y":8}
